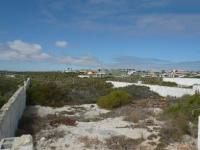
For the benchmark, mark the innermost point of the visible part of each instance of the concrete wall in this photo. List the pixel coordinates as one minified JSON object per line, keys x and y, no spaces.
{"x":198,"y":142}
{"x":161,"y":90}
{"x":12,"y":111}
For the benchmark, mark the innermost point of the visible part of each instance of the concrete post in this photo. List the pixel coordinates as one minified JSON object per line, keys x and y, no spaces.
{"x":198,"y":142}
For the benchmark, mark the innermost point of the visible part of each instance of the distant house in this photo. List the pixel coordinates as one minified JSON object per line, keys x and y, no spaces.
{"x":151,"y":74}
{"x":177,"y":73}
{"x":101,"y":73}
{"x":10,"y":75}
{"x":131,"y":72}
{"x":92,"y":74}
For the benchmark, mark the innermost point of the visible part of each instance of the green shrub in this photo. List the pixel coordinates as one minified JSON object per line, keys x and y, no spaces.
{"x":2,"y":100}
{"x":140,"y":92}
{"x":177,"y":116}
{"x":47,"y":94}
{"x":171,"y":84}
{"x":59,"y":93}
{"x":115,"y":99}
{"x":7,"y":88}
{"x":189,"y":106}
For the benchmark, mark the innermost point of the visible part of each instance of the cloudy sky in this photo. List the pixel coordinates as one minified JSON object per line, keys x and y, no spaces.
{"x":141,"y":34}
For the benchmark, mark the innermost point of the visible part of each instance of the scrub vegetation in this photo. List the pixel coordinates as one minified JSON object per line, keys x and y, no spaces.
{"x":181,"y":119}
{"x":115,"y":99}
{"x":70,"y":91}
{"x":167,"y":120}
{"x":58,"y":89}
{"x":8,"y":86}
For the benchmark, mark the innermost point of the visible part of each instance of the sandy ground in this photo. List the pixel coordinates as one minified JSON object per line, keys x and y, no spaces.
{"x":99,"y":129}
{"x":161,"y":90}
{"x":183,"y":81}
{"x":90,"y":134}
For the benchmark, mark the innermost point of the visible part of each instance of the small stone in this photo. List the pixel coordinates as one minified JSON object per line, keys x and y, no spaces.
{"x":42,"y":139}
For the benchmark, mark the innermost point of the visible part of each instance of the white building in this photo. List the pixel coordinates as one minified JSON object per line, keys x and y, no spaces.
{"x":131,"y":72}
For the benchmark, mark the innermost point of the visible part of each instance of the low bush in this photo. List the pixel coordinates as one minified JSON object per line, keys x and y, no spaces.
{"x":3,"y":100}
{"x":189,"y":106}
{"x":7,"y":88}
{"x":59,"y":93}
{"x":47,"y":94}
{"x":122,"y":143}
{"x":89,"y":142}
{"x":115,"y":99}
{"x":140,"y":92}
{"x":181,"y":118}
{"x":63,"y":120}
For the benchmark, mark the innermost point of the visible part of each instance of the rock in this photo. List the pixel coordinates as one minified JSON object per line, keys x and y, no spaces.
{"x":92,"y":106}
{"x":183,"y":147}
{"x":25,"y":142}
{"x":42,"y":139}
{"x":189,"y":140}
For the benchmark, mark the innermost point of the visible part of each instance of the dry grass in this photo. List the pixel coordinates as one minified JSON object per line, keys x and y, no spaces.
{"x":89,"y":142}
{"x":122,"y":143}
{"x":33,"y":125}
{"x":62,"y":120}
{"x":151,"y":137}
{"x":136,"y":116}
{"x":138,"y":110}
{"x":55,"y":134}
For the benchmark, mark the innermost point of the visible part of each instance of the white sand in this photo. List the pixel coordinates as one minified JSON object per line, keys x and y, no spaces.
{"x":101,"y":130}
{"x":89,"y":110}
{"x":161,"y":90}
{"x":183,"y":81}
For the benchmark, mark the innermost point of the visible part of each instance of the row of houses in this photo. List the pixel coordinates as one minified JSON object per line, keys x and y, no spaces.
{"x":181,"y":74}
{"x":130,"y":72}
{"x":87,"y":73}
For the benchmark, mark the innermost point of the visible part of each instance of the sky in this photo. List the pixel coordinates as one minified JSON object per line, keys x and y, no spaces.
{"x":50,"y":35}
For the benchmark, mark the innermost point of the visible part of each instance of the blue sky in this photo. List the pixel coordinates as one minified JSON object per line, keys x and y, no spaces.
{"x":141,"y":34}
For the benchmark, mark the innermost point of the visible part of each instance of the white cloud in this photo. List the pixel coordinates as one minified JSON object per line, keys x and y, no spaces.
{"x":81,"y":61}
{"x":19,"y":50}
{"x":61,"y":44}
{"x":22,"y":51}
